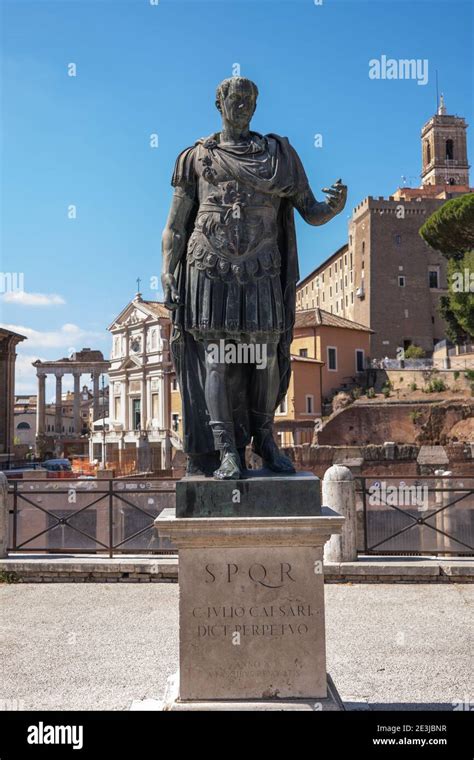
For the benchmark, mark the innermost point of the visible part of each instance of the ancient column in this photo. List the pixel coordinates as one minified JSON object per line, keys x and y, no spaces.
{"x":95,"y":395}
{"x":40,"y":406}
{"x":77,"y":403}
{"x":143,"y":402}
{"x":59,"y":401}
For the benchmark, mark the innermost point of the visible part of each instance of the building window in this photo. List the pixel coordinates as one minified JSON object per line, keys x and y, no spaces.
{"x":330,"y":291}
{"x":428,"y":151}
{"x":283,"y":406}
{"x":309,"y":404}
{"x":351,"y":259}
{"x":175,"y":422}
{"x":332,"y":358}
{"x":359,"y":360}
{"x":363,"y":246}
{"x":304,"y":352}
{"x":401,"y":281}
{"x":433,"y":275}
{"x":449,"y":150}
{"x":154,"y":406}
{"x":329,"y":271}
{"x":175,"y":384}
{"x":324,"y":297}
{"x":347,"y":301}
{"x":23,"y":426}
{"x":336,"y":287}
{"x":136,"y":413}
{"x":345,"y":259}
{"x":352,"y":296}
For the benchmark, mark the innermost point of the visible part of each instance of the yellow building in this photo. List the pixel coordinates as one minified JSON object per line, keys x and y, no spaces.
{"x":340,"y":344}
{"x":328,"y":352}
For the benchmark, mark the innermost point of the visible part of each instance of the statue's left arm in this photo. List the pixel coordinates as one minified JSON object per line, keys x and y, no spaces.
{"x":316,"y":212}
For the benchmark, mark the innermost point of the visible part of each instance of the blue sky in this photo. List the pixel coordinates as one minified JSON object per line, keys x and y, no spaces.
{"x":143,"y":69}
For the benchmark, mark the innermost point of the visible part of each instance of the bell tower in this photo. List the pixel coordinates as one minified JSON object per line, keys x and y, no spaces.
{"x":444,"y":150}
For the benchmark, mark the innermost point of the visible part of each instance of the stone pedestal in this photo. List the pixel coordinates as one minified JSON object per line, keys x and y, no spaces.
{"x":252,"y":592}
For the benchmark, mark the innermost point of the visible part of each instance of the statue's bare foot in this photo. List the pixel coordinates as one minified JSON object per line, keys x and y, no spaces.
{"x":229,"y":468}
{"x":273,"y":459}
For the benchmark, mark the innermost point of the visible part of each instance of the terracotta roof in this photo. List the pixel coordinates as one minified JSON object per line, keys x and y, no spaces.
{"x":296,"y":358}
{"x":158,"y":308}
{"x":317,"y":317}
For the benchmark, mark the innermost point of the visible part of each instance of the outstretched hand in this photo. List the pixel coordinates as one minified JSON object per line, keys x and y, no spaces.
{"x":336,"y":196}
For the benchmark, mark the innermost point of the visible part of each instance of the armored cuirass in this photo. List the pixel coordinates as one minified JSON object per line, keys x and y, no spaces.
{"x":235,"y":232}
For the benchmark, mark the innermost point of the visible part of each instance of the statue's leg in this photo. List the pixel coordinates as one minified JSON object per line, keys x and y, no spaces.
{"x":216,"y":391}
{"x":263,"y":396}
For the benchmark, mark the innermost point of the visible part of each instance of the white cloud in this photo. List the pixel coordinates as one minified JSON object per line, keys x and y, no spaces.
{"x":68,"y":336}
{"x":23,"y":298}
{"x":52,"y":345}
{"x":25,"y":374}
{"x":25,"y":377}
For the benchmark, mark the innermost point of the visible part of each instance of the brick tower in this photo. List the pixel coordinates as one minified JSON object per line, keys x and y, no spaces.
{"x":444,"y":150}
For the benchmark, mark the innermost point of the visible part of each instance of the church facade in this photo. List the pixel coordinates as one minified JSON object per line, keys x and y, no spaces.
{"x":140,"y":382}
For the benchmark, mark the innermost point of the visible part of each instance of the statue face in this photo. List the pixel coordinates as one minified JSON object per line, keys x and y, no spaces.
{"x":238,"y":105}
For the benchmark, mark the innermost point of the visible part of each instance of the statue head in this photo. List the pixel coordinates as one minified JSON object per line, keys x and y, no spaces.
{"x":236,"y":99}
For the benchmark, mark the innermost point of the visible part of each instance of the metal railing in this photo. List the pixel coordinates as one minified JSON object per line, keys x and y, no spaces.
{"x":417,"y":515}
{"x":110,"y":516}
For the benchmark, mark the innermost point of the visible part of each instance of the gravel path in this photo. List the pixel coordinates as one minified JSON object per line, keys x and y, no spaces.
{"x":99,"y":646}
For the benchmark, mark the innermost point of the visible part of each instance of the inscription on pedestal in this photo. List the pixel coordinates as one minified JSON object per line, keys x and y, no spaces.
{"x":252,"y":623}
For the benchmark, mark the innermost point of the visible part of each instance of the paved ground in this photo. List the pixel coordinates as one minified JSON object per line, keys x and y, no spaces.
{"x":99,"y":646}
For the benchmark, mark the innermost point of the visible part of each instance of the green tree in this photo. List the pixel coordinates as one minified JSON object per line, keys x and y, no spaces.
{"x":414,"y":352}
{"x":450,"y":230}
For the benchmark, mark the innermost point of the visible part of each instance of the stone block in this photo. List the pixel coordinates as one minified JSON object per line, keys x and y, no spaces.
{"x":251,"y":605}
{"x":260,"y":495}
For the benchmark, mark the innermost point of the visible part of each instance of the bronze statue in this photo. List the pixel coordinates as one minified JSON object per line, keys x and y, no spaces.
{"x":230,"y":270}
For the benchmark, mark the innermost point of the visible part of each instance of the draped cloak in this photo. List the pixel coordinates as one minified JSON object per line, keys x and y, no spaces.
{"x":287,"y":180}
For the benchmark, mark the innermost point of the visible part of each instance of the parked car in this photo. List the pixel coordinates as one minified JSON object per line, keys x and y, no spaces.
{"x":57,"y":465}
